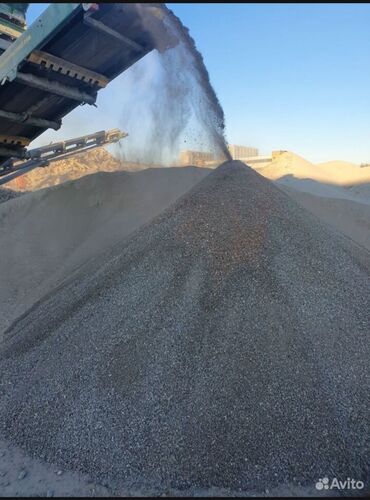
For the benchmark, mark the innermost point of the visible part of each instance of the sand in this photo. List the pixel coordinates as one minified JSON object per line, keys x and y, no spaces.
{"x":328,"y":190}
{"x":331,"y":179}
{"x":47,"y":234}
{"x":349,"y":217}
{"x":75,"y":167}
{"x":222,"y":345}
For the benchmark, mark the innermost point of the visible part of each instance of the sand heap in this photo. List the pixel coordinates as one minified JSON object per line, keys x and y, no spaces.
{"x":47,"y":234}
{"x":345,"y":173}
{"x":338,"y":173}
{"x":224,"y":344}
{"x":331,"y":179}
{"x":75,"y":167}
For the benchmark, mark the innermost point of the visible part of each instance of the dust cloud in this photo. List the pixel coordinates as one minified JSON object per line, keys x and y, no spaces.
{"x":172,"y":105}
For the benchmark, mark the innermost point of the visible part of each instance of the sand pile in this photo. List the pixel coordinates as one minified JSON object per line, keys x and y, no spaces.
{"x":343,"y":173}
{"x":224,"y":344}
{"x":332,"y":179}
{"x":47,"y":234}
{"x":75,"y":167}
{"x":63,"y":170}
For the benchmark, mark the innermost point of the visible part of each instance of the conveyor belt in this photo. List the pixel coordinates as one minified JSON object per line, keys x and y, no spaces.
{"x":42,"y":157}
{"x":64,"y":58}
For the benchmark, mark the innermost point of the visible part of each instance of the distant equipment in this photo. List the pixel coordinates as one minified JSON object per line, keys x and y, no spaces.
{"x":69,"y":53}
{"x":42,"y":157}
{"x":238,"y":152}
{"x":197,"y":158}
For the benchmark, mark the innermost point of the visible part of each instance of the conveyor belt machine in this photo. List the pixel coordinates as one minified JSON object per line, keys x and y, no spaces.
{"x":69,"y":53}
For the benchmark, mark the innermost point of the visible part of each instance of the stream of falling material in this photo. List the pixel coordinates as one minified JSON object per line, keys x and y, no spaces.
{"x":173,"y":105}
{"x":211,"y":112}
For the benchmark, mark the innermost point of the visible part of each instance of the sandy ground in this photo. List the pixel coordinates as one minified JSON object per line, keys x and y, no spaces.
{"x":47,"y":234}
{"x":223,"y":344}
{"x":22,"y":475}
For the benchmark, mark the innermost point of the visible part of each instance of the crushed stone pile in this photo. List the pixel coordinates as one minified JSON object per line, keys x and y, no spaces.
{"x":46,"y":235}
{"x":223,"y":345}
{"x":7,"y":194}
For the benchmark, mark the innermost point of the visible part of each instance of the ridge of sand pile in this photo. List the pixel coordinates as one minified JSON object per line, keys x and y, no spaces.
{"x":331,"y":179}
{"x":45,"y":235}
{"x":224,"y":344}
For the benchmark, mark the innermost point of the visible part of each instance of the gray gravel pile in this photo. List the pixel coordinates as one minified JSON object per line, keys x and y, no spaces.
{"x":8,"y":194}
{"x":223,"y":345}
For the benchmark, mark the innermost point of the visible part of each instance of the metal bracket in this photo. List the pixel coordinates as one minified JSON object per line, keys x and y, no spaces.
{"x":53,"y":19}
{"x":67,"y":68}
{"x":11,"y":140}
{"x":10,"y":29}
{"x":12,"y":153}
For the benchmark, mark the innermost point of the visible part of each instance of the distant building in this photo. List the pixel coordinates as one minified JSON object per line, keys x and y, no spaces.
{"x":238,"y":152}
{"x":197,"y":158}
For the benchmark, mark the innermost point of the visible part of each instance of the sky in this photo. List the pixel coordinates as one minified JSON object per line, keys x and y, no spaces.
{"x":288,"y":76}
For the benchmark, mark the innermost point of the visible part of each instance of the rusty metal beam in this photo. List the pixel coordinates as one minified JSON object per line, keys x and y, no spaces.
{"x":56,"y":88}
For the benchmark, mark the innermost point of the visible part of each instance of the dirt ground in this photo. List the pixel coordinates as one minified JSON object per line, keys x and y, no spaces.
{"x":22,"y":475}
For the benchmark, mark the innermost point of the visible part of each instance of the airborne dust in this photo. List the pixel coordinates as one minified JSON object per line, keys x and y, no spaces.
{"x":170,"y":104}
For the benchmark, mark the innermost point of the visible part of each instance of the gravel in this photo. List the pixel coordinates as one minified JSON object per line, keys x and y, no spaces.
{"x":45,"y":235}
{"x":8,"y":194}
{"x":224,"y":346}
{"x":22,"y":474}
